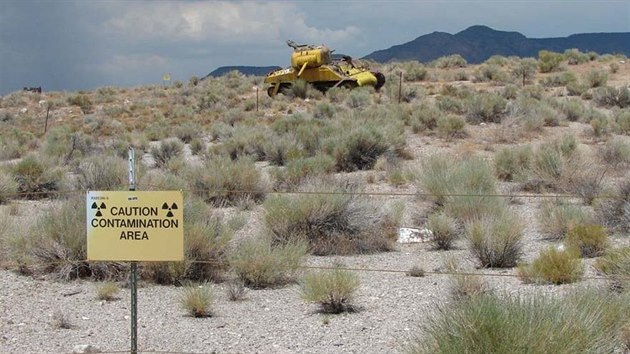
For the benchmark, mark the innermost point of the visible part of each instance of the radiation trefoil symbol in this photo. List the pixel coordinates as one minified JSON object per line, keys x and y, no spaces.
{"x":170,"y":209}
{"x":98,"y":208}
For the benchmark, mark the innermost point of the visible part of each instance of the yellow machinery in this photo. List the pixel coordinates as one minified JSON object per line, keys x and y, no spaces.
{"x":314,"y":64}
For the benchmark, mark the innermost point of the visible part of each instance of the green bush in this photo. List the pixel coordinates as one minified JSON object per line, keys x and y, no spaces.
{"x":525,"y":70}
{"x":102,"y":173}
{"x":222,"y":181}
{"x":448,"y":104}
{"x":299,"y":89}
{"x":57,"y":244}
{"x":333,"y":290}
{"x":8,"y":188}
{"x":279,"y":150}
{"x":107,"y":290}
{"x":511,"y":163}
{"x":450,"y":61}
{"x":197,"y":300}
{"x":451,"y":125}
{"x":549,"y":61}
{"x":490,"y":73}
{"x":357,"y":149}
{"x":358,"y":98}
{"x":612,"y":97}
{"x":591,"y":240}
{"x":615,"y":263}
{"x":245,"y":142}
{"x":614,"y":211}
{"x":575,"y":88}
{"x":259,"y":264}
{"x":496,"y":239}
{"x":83,"y":101}
{"x":167,"y":151}
{"x":424,"y":117}
{"x":596,"y":78}
{"x":622,"y":121}
{"x":60,"y":142}
{"x":553,"y":267}
{"x":300,"y":169}
{"x":556,"y":219}
{"x":331,"y":219}
{"x":587,"y":322}
{"x":36,"y":179}
{"x":575,"y":57}
{"x":188,"y":131}
{"x":485,"y":108}
{"x":197,"y":146}
{"x":444,"y":230}
{"x":561,"y":79}
{"x":324,"y":110}
{"x":414,"y":71}
{"x":615,"y":153}
{"x":573,"y":109}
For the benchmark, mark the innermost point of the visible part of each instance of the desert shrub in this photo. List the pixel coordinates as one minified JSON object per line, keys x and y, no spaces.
{"x":511,"y":163}
{"x":557,"y":218}
{"x":615,"y":153}
{"x":60,"y":142}
{"x":298,"y":170}
{"x":485,"y":107}
{"x":553,"y":266}
{"x":299,"y":89}
{"x":525,"y":70}
{"x":509,"y":92}
{"x":575,"y":88}
{"x":497,"y":60}
{"x":259,"y":264}
{"x":450,"y":61}
{"x":60,"y":320}
{"x":549,"y":61}
{"x":197,"y":300}
{"x":282,"y":149}
{"x":197,"y":146}
{"x":444,"y":175}
{"x":416,"y":272}
{"x":596,"y":78}
{"x":560,"y":79}
{"x":323,"y":110}
{"x":610,"y":96}
{"x":101,"y":173}
{"x":601,"y":126}
{"x":83,"y":101}
{"x":206,"y":241}
{"x":581,"y":323}
{"x":8,"y":187}
{"x":615,"y":263}
{"x":188,"y":131}
{"x":424,"y":117}
{"x":622,"y":121}
{"x":14,"y":143}
{"x":591,"y":240}
{"x":451,"y":125}
{"x":245,"y":141}
{"x":167,"y":151}
{"x":462,"y":284}
{"x":223,"y":181}
{"x":35,"y":178}
{"x":414,"y":71}
{"x":490,"y":73}
{"x":358,"y":98}
{"x":444,"y":230}
{"x":575,"y":57}
{"x":335,"y":222}
{"x":548,"y":164}
{"x":57,"y":244}
{"x":357,"y":149}
{"x":107,"y":290}
{"x":573,"y":109}
{"x":496,"y":239}
{"x":337,"y":94}
{"x":450,"y":104}
{"x":333,"y":290}
{"x":614,"y":211}
{"x":236,"y":290}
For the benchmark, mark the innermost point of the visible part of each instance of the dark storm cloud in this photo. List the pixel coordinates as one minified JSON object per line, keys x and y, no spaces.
{"x":72,"y":44}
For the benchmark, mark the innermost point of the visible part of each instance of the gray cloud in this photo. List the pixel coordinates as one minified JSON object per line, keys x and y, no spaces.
{"x":72,"y":44}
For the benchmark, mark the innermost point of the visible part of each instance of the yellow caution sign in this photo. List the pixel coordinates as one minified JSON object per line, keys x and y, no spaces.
{"x":135,"y":226}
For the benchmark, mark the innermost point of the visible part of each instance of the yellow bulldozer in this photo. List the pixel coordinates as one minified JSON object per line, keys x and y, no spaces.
{"x":315,"y":65}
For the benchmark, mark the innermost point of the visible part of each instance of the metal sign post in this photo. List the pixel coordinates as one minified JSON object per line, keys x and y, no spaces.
{"x":134,"y":267}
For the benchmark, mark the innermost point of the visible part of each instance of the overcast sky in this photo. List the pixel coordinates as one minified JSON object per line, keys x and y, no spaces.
{"x":77,"y":44}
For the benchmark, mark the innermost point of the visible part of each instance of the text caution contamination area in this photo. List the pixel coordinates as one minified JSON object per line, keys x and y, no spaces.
{"x":135,"y":226}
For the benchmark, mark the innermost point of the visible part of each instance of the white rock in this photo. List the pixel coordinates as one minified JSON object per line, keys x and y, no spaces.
{"x":86,"y":348}
{"x":409,"y":235}
{"x":23,"y":110}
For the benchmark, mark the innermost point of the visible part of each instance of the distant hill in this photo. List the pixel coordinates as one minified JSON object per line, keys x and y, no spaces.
{"x":245,"y":70}
{"x":478,"y":43}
